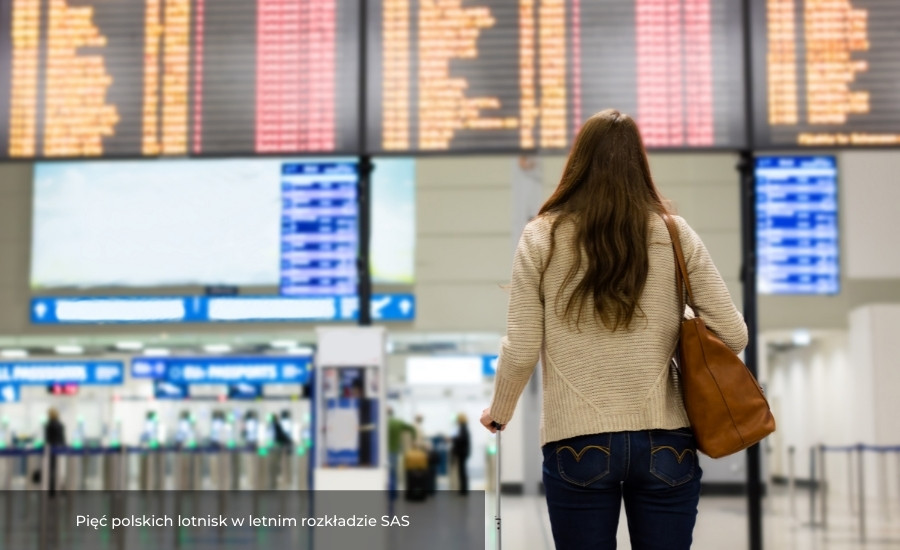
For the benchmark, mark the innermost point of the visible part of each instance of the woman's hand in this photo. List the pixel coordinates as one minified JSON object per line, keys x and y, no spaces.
{"x":488,"y":422}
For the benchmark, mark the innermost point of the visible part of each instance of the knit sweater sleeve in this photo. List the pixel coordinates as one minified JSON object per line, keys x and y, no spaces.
{"x":712,"y":300}
{"x":521,"y":347}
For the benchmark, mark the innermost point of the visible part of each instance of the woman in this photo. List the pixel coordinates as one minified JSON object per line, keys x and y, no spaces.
{"x":593,"y":297}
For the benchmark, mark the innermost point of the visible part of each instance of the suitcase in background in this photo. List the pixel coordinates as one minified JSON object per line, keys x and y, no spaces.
{"x":415,"y":459}
{"x":416,"y":484}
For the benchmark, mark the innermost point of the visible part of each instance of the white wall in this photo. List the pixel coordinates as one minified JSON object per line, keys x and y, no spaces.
{"x":871,"y":201}
{"x":840,"y":391}
{"x":811,"y":392}
{"x":875,"y":355}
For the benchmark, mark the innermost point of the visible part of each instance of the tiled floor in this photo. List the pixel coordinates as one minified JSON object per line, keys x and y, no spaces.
{"x":722,"y":524}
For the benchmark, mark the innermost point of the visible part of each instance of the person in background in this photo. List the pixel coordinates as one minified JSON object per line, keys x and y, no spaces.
{"x":460,"y":450}
{"x":396,"y":428}
{"x":54,"y":436}
{"x":282,"y":436}
{"x":420,"y":441}
{"x":593,"y":296}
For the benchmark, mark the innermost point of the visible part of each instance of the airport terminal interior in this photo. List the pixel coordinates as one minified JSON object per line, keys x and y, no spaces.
{"x":266,"y":245}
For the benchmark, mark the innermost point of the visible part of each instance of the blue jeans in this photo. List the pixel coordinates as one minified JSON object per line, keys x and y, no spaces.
{"x":656,"y":472}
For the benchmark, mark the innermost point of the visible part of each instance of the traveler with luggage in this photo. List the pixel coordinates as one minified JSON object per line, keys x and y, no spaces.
{"x":396,"y":429}
{"x":593,"y":296}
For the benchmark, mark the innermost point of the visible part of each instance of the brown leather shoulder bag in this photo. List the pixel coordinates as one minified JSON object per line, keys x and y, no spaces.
{"x":725,"y":404}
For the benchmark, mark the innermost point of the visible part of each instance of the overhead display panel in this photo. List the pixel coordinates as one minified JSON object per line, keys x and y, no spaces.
{"x":797,"y":225}
{"x":319,"y":232}
{"x":125,"y":78}
{"x":441,"y":76}
{"x":826,"y":73}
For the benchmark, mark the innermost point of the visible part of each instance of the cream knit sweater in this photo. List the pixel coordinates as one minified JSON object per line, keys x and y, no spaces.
{"x":596,"y":380}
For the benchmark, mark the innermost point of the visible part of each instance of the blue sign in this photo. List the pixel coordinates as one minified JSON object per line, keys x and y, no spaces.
{"x":489,"y":365}
{"x":319,"y":237}
{"x":163,"y":389}
{"x":148,"y":368}
{"x":9,"y":393}
{"x":41,"y":373}
{"x":215,"y":309}
{"x":797,"y":225}
{"x":234,"y":370}
{"x":244,"y":390}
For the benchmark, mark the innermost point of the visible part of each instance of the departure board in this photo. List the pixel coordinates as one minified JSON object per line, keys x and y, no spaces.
{"x":826,"y":73}
{"x":319,"y":233}
{"x":128,"y":78}
{"x":797,"y":225}
{"x":449,"y":75}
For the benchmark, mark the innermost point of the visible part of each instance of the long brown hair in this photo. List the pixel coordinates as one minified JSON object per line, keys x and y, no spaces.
{"x":607,"y":192}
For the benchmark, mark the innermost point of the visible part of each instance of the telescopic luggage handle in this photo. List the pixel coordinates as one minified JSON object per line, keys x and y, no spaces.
{"x":499,"y":428}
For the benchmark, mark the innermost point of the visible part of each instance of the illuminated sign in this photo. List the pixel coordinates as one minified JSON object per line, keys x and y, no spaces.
{"x":228,"y":370}
{"x":42,"y":373}
{"x":177,"y":77}
{"x":825,"y":73}
{"x":797,"y":225}
{"x":507,"y":75}
{"x":205,"y":309}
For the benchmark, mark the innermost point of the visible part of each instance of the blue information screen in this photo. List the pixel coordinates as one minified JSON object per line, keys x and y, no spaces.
{"x":797,"y":225}
{"x":318,"y":229}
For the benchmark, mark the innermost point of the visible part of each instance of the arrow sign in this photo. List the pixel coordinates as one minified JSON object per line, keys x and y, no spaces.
{"x":40,"y":309}
{"x":291,"y":371}
{"x":9,"y":393}
{"x":378,"y":305}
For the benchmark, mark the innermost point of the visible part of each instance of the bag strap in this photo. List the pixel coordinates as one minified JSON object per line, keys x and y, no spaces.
{"x":681,"y":273}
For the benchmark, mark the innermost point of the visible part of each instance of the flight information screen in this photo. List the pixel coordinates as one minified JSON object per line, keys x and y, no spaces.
{"x":126,"y":78}
{"x":826,"y":73}
{"x":797,"y":225}
{"x":318,"y":229}
{"x":524,"y":74}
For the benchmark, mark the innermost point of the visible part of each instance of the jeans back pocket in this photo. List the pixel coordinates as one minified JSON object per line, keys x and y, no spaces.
{"x":673,"y":456}
{"x":583,"y":460}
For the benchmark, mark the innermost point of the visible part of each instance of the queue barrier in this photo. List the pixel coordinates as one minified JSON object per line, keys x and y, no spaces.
{"x":183,"y":468}
{"x":856,"y":479}
{"x":15,"y":463}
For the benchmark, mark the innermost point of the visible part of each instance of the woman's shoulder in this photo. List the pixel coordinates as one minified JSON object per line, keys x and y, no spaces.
{"x":659,"y":225}
{"x":540,"y":223}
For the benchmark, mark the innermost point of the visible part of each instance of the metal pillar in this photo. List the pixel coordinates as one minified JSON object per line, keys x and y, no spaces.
{"x":862,"y":492}
{"x":748,"y":249}
{"x":823,"y":487}
{"x":364,"y":194}
{"x":748,"y":233}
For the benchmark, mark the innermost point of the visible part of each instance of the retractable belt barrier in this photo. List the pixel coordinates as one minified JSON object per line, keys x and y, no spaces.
{"x":855,"y":480}
{"x":183,"y":468}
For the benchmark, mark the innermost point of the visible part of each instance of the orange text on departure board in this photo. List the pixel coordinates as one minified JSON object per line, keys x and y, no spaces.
{"x":552,"y":60}
{"x":395,"y":80}
{"x":527,"y":74}
{"x":76,"y":114}
{"x":165,"y":112}
{"x":833,"y":31}
{"x":781,"y":62}
{"x":449,"y":31}
{"x":23,"y":99}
